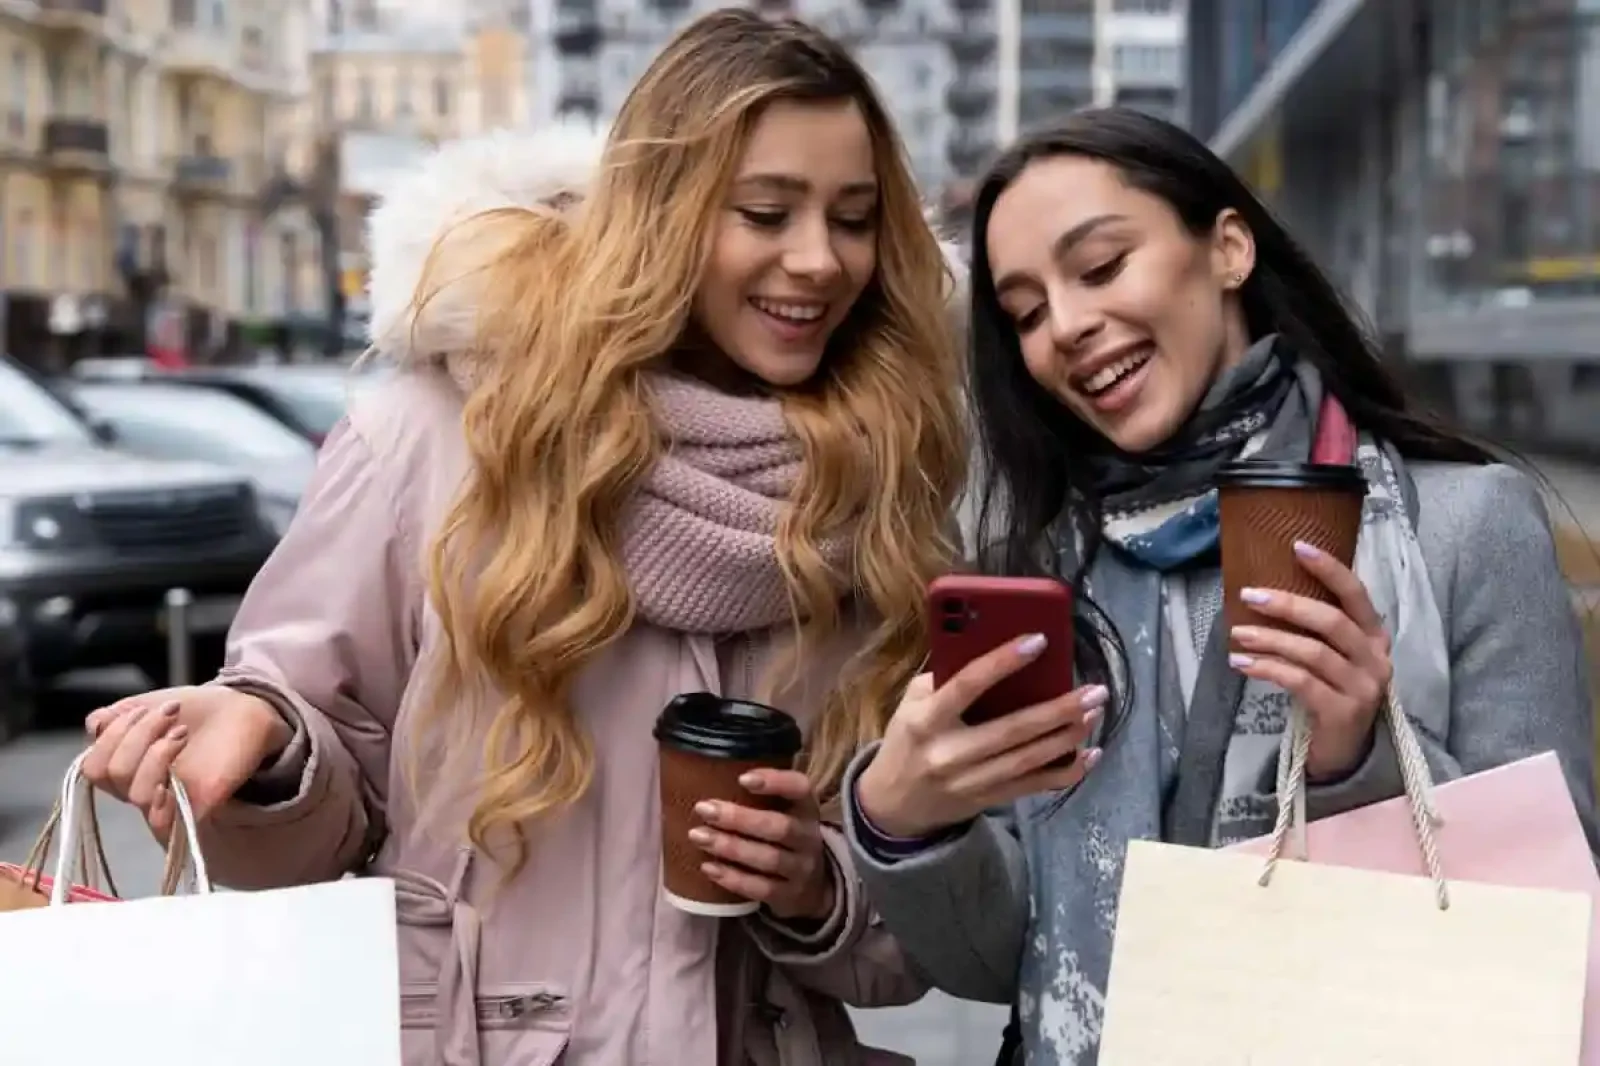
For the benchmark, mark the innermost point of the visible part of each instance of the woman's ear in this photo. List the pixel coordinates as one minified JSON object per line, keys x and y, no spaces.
{"x":1233,"y":251}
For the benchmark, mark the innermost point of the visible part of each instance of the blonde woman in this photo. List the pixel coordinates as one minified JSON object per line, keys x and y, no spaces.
{"x":693,"y":426}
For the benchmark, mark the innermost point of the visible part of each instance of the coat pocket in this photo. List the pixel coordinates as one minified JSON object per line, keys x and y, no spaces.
{"x":533,"y":1006}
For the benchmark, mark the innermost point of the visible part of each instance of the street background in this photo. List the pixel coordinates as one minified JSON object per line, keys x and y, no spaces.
{"x":185,"y":184}
{"x":938,"y":1031}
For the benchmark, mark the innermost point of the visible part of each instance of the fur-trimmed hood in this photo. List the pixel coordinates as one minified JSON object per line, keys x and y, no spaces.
{"x":462,"y":179}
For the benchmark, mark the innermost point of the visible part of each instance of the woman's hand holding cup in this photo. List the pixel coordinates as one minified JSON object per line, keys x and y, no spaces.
{"x":773,"y":857}
{"x":934,"y":771}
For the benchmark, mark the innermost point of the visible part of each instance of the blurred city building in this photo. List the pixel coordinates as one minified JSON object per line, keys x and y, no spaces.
{"x":134,"y":140}
{"x":391,"y":81}
{"x":1443,"y":156}
{"x":1138,"y":57}
{"x":1055,"y":58}
{"x":934,"y":60}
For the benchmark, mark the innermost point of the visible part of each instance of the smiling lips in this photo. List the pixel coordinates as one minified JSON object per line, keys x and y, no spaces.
{"x":1102,"y":380}
{"x":793,"y":312}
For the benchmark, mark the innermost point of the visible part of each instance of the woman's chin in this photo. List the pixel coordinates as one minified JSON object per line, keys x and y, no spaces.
{"x":1140,"y":429}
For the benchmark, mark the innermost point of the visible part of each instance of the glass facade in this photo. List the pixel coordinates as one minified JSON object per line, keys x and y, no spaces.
{"x":1512,"y":159}
{"x":1249,"y":36}
{"x":1441,"y":158}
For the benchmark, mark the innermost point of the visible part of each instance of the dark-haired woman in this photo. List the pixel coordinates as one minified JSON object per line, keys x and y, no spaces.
{"x":1139,"y":320}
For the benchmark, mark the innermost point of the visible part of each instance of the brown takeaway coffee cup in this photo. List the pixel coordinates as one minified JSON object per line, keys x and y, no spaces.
{"x":707,"y":743}
{"x":1266,"y":506}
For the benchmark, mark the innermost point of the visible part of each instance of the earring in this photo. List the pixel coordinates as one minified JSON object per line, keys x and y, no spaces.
{"x":1238,"y":279}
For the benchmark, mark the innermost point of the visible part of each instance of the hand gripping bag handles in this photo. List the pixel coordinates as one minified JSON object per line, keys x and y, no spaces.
{"x":27,"y":886}
{"x":305,"y":975}
{"x":1235,"y":955}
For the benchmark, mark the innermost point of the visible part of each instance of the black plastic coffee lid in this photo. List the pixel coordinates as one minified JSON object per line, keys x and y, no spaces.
{"x":1278,"y":474}
{"x":707,"y":724}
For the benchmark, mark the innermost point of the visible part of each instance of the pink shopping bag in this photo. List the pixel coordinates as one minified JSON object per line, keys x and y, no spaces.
{"x":1514,"y":826}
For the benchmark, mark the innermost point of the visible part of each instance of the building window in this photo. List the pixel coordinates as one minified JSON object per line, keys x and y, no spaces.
{"x":17,"y":107}
{"x":364,"y":101}
{"x":208,"y":263}
{"x":327,"y":97}
{"x":441,"y":97}
{"x":22,"y":246}
{"x":60,"y":245}
{"x":402,"y":94}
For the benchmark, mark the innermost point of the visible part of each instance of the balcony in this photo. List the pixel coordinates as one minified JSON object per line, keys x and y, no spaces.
{"x":193,"y":53}
{"x":970,"y":96}
{"x":202,"y":175}
{"x":79,"y":143}
{"x":1075,"y":29}
{"x":969,"y":149}
{"x":577,"y":32}
{"x":972,"y":41}
{"x":88,"y":16}
{"x":580,"y":104}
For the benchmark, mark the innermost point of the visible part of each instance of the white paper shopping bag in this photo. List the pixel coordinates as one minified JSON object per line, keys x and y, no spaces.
{"x":1223,"y":957}
{"x":303,"y":976}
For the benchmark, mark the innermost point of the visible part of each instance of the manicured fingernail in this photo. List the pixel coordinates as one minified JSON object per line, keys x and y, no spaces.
{"x":711,"y":869}
{"x":1092,"y":757}
{"x":1031,"y":645}
{"x":1257,"y":596}
{"x":159,"y":797}
{"x":1092,"y":716}
{"x":1239,"y":662}
{"x":1094,"y":696}
{"x":178,"y":734}
{"x":700,"y":836}
{"x":1306,"y":551}
{"x":752,"y":781}
{"x":169,"y":709}
{"x":707,"y":810}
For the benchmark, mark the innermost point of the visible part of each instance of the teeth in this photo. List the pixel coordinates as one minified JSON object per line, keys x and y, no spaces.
{"x":790,"y":312}
{"x":1107,"y":376}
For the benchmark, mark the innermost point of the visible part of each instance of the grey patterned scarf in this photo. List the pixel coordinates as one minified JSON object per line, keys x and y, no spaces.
{"x":1195,"y":759}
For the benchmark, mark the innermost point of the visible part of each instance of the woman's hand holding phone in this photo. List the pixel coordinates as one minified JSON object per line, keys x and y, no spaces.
{"x":934,"y":771}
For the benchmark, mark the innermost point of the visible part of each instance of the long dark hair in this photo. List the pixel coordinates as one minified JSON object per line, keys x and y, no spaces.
{"x":1033,"y":491}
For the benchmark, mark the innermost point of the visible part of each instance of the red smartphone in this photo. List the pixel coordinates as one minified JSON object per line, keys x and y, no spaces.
{"x":971,"y":616}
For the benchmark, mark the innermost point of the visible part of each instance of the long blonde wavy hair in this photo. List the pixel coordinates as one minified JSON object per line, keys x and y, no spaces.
{"x":577,"y":303}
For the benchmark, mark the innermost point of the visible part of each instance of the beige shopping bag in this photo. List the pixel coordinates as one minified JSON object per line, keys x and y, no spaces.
{"x":1223,"y":957}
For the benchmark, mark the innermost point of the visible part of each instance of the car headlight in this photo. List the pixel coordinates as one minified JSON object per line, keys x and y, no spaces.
{"x":44,"y":525}
{"x":278,"y":511}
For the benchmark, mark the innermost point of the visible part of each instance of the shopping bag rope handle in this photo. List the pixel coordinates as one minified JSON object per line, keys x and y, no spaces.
{"x":1414,"y":773}
{"x":75,"y":819}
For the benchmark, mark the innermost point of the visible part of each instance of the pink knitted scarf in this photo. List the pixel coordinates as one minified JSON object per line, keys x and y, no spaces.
{"x":700,"y":537}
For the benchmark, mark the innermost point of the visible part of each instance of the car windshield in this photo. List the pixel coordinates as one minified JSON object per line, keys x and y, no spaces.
{"x":30,"y":414}
{"x":179,"y":422}
{"x":317,"y":400}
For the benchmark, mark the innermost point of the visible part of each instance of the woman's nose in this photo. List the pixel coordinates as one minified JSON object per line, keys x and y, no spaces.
{"x":1073,"y":323}
{"x":812,"y":255}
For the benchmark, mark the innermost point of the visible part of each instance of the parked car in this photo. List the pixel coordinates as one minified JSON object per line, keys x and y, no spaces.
{"x":16,"y":691}
{"x":92,"y":539}
{"x":166,"y":421}
{"x":307,"y":397}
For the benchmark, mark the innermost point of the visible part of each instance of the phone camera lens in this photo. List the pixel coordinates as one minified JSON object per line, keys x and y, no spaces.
{"x":955,"y":606}
{"x":954,"y":623}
